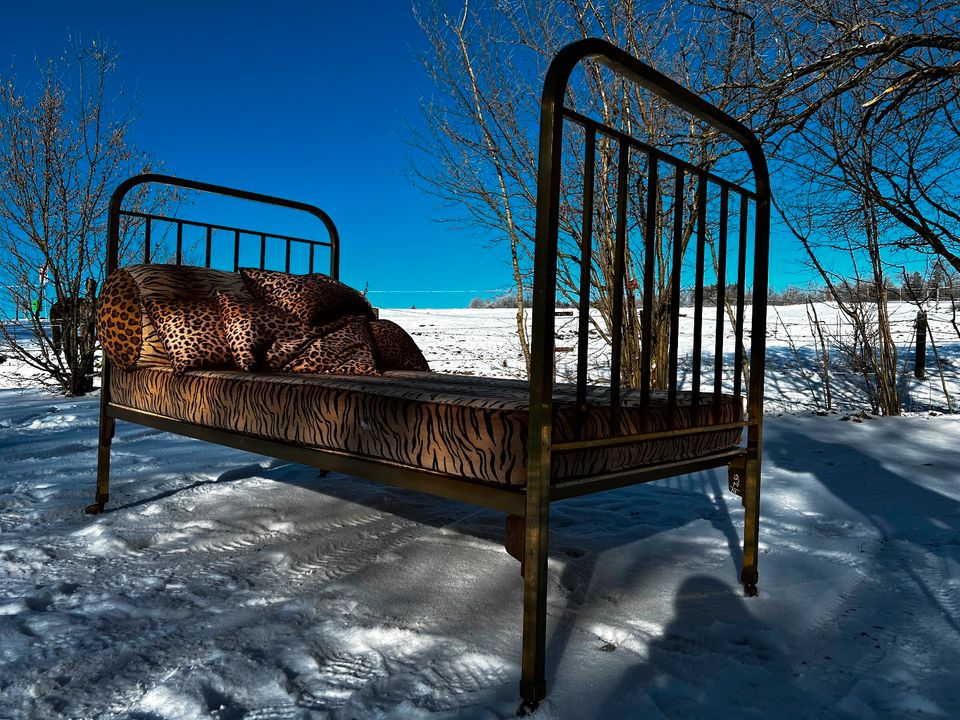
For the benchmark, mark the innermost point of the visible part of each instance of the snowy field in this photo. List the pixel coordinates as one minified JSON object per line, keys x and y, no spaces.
{"x":226,"y":585}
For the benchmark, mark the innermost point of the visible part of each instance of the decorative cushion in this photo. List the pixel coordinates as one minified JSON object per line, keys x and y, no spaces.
{"x":185,"y":282}
{"x":176,"y":282}
{"x":394,"y":348}
{"x":118,"y":319}
{"x":342,"y":347}
{"x":284,"y":349}
{"x":312,"y":299}
{"x":152,"y":351}
{"x":191,"y":333}
{"x":252,"y":330}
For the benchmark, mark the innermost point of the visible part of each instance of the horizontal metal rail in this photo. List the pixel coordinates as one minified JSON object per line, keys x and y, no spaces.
{"x":116,"y":211}
{"x":227,"y":228}
{"x":620,"y":136}
{"x":505,"y":499}
{"x":567,"y":489}
{"x":616,"y":440}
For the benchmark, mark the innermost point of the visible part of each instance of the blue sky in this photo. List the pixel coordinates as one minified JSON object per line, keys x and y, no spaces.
{"x":297,"y":99}
{"x":306,"y":100}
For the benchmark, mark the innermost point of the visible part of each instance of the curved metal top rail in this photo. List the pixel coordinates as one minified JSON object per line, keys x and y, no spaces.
{"x":601,"y":51}
{"x":116,"y":200}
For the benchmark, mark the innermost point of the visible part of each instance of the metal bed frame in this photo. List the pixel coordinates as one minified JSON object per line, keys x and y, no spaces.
{"x":528,"y":508}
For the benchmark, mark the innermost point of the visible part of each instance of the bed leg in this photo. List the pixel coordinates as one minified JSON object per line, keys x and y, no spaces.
{"x":751,"y":526}
{"x":107,"y":425}
{"x":513,"y":540}
{"x":533,"y":684}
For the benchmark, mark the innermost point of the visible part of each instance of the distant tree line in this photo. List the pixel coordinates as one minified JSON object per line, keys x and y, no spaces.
{"x":914,"y":288}
{"x":508,"y":301}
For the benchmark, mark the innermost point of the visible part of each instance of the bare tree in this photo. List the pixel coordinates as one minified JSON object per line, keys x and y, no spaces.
{"x":64,"y":146}
{"x":900,"y":63}
{"x":828,"y":211}
{"x":859,"y":100}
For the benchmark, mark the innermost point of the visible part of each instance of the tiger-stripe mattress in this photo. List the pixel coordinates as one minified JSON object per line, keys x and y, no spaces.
{"x":468,"y":427}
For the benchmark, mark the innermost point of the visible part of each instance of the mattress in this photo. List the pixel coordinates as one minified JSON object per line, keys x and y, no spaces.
{"x":468,"y":427}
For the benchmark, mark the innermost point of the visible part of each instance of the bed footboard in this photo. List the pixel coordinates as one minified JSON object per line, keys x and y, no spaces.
{"x":664,"y":239}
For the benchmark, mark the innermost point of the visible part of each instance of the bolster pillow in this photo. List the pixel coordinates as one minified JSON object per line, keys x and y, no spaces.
{"x":127,"y":333}
{"x":119,"y":319}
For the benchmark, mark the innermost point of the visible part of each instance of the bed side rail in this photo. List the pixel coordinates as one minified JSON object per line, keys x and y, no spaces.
{"x":665,"y":174}
{"x":236,"y":234}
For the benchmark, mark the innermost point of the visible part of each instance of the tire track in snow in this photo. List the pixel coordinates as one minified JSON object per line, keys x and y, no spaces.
{"x":169,"y":557}
{"x":860,"y":648}
{"x":947,"y":588}
{"x":288,"y":533}
{"x":463,"y":674}
{"x":330,"y":560}
{"x":340,"y":675}
{"x":46,"y":450}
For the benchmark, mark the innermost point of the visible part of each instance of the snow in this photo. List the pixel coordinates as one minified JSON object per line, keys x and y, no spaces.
{"x":227,"y":585}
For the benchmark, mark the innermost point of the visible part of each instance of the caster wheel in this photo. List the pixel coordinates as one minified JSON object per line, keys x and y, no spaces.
{"x":94,"y":509}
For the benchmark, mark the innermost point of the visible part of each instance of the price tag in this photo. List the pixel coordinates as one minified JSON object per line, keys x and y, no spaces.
{"x":735,"y":480}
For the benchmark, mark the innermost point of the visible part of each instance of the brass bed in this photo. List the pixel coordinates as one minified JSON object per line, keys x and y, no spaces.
{"x":514,"y":446}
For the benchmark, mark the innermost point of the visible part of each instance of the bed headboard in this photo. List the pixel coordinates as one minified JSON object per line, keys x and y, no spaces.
{"x":331,"y":244}
{"x":665,"y":174}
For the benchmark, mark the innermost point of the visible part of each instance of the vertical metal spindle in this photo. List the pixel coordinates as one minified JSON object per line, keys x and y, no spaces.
{"x":286,"y":263}
{"x":209,"y":244}
{"x":675,"y":297}
{"x":236,"y":250}
{"x":697,"y":356}
{"x":263,"y":251}
{"x":586,"y":257}
{"x":179,"y":260}
{"x":619,"y":262}
{"x":721,"y":302}
{"x":312,"y":253}
{"x":646,"y":311}
{"x":741,"y":287}
{"x":146,"y":243}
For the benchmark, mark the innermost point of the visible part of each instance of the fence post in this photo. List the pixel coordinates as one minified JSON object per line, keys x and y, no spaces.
{"x":920,"y":354}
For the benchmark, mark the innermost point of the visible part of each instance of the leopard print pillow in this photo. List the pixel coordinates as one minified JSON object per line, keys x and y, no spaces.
{"x":343,"y":347}
{"x":312,"y":299}
{"x":191,"y":333}
{"x":253,"y":329}
{"x":284,"y":349}
{"x":176,"y":282}
{"x":118,"y":319}
{"x":394,"y":348}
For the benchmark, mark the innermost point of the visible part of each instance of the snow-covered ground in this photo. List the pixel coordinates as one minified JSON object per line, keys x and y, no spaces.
{"x":227,"y":585}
